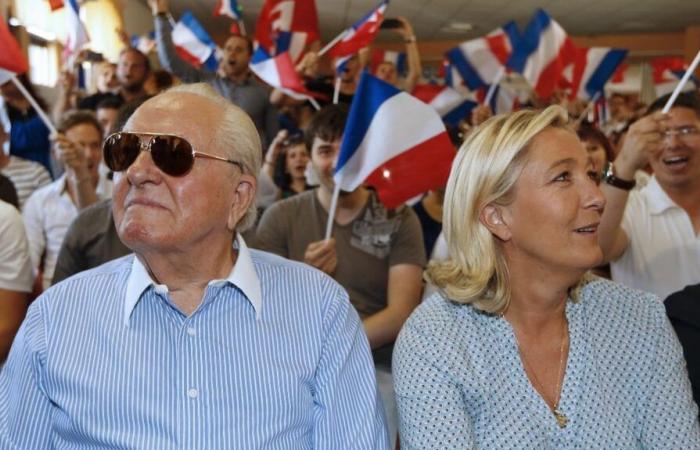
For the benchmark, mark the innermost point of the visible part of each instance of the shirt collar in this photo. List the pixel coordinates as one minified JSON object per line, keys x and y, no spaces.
{"x":243,"y":276}
{"x":659,"y":201}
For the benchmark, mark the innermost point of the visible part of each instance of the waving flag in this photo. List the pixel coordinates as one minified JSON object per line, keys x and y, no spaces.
{"x":77,"y":34}
{"x":592,"y":68}
{"x":12,"y":58}
{"x":144,"y":43}
{"x":228,"y":8}
{"x":414,"y":157}
{"x":542,"y":53}
{"x":450,"y":104}
{"x":480,"y":61}
{"x":287,"y":26}
{"x":398,"y":59}
{"x":193,"y":43}
{"x":667,"y":72}
{"x":278,"y":71}
{"x":361,"y":33}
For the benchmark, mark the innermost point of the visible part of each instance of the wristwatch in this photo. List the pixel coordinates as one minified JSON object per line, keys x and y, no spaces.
{"x":610,"y":178}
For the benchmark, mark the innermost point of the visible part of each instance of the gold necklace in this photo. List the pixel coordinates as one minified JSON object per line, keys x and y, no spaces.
{"x":559,"y":416}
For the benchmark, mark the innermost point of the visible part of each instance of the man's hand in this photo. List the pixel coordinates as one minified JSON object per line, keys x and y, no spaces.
{"x":480,"y":114}
{"x":405,"y":30}
{"x":308,"y":66}
{"x":643,"y":138}
{"x":72,"y":157}
{"x":322,"y":255}
{"x":158,"y":6}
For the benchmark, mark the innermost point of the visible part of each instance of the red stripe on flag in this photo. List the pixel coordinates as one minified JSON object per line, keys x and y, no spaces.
{"x":11,"y":57}
{"x":420,"y":169}
{"x":55,"y":4}
{"x":188,"y":57}
{"x":499,"y":46}
{"x":549,"y":78}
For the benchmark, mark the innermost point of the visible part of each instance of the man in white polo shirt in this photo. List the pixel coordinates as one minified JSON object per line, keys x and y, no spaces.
{"x":650,"y":236}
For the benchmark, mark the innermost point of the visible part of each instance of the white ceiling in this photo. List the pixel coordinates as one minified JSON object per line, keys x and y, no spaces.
{"x":431,"y":18}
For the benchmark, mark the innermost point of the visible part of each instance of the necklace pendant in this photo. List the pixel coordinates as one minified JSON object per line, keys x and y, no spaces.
{"x":561,"y":418}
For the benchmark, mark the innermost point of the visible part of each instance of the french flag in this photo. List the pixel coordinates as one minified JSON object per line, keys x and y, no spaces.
{"x":228,"y":8}
{"x":12,"y":60}
{"x":542,"y":53}
{"x":450,"y":104}
{"x":287,"y":26}
{"x":479,"y":61}
{"x":144,"y":43}
{"x":193,"y":43}
{"x":398,"y":59}
{"x":361,"y":33}
{"x":77,"y":34}
{"x":278,"y":71}
{"x":592,"y":68}
{"x":667,"y":72}
{"x":411,"y":159}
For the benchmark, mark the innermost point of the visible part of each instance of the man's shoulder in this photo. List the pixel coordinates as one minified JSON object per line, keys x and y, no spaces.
{"x":95,"y":216}
{"x":296,"y":204}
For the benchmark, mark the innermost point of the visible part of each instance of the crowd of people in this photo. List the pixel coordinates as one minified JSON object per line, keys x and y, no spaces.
{"x":166,"y":280}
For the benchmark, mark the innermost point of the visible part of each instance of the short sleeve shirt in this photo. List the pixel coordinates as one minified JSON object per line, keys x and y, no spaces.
{"x":367,"y":247}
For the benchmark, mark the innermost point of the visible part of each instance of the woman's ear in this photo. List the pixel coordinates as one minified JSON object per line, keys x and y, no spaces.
{"x":492,"y":216}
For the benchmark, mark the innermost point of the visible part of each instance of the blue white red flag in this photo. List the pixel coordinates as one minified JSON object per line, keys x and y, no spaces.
{"x":193,"y":43}
{"x":77,"y":34}
{"x":480,"y":61}
{"x":398,"y":59}
{"x":360,"y":34}
{"x":667,"y":72}
{"x":278,"y":71}
{"x":144,"y":43}
{"x":393,"y":142}
{"x":287,"y":26}
{"x":228,"y":8}
{"x":450,"y":104}
{"x":12,"y":59}
{"x":592,"y":68}
{"x":542,"y":53}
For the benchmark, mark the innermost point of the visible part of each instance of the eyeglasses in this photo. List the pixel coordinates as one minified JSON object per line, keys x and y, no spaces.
{"x":684,"y":133}
{"x":171,"y":154}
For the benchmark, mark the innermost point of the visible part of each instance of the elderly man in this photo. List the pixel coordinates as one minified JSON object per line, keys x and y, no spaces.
{"x":233,"y":80}
{"x":651,"y":235}
{"x":196,"y":342}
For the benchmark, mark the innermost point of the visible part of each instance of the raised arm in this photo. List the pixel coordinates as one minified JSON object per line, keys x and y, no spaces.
{"x":643,"y":137}
{"x":412,"y":54}
{"x":167,"y":55}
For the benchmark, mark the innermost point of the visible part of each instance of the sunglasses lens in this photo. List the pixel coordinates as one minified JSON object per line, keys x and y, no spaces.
{"x":172,"y":155}
{"x":121,"y":150}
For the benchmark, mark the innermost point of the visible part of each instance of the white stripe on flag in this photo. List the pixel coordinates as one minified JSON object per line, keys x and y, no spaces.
{"x":411,"y":121}
{"x":184,"y":37}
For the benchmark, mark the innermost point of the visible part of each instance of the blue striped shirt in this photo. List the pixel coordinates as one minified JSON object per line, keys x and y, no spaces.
{"x":95,"y":367}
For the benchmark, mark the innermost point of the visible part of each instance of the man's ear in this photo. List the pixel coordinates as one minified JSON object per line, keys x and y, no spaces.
{"x":493,"y":217}
{"x":243,"y":197}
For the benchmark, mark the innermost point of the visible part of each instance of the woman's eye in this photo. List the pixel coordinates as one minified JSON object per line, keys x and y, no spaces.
{"x":564,"y":176}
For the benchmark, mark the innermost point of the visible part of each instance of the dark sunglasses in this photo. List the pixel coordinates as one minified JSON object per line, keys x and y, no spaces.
{"x":171,"y":154}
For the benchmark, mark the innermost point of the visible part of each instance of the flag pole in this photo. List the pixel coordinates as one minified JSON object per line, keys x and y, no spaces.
{"x":681,"y":83}
{"x":494,"y":85}
{"x":336,"y":91}
{"x":331,"y":211}
{"x":241,"y":26}
{"x":332,"y":43}
{"x":42,"y":115}
{"x":588,"y":108}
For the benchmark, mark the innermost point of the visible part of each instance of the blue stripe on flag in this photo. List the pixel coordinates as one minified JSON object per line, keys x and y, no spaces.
{"x":469,"y":74}
{"x":197,"y":29}
{"x":529,"y":41}
{"x":260,"y":55}
{"x":460,"y":112}
{"x":370,"y":95}
{"x":604,"y":71}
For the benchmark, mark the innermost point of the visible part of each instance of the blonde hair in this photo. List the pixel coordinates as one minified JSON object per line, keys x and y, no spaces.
{"x":236,"y":134}
{"x":485,"y":171}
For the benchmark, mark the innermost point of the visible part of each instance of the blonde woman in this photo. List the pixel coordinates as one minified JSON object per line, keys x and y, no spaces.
{"x":520,"y":348}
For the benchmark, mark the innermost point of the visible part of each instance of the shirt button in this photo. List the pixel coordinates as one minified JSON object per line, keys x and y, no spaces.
{"x":192,"y":393}
{"x":191,"y":331}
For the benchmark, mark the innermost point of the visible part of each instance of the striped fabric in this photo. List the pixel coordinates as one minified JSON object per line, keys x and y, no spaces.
{"x":299,"y":376}
{"x":26,"y":175}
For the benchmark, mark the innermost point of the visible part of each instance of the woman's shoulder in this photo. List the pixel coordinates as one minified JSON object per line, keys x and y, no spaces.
{"x":614,"y":305}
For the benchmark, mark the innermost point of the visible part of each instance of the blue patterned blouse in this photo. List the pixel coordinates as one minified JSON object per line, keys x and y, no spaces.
{"x":460,"y":382}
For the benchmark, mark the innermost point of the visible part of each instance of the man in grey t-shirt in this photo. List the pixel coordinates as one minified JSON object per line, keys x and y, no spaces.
{"x":375,"y":253}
